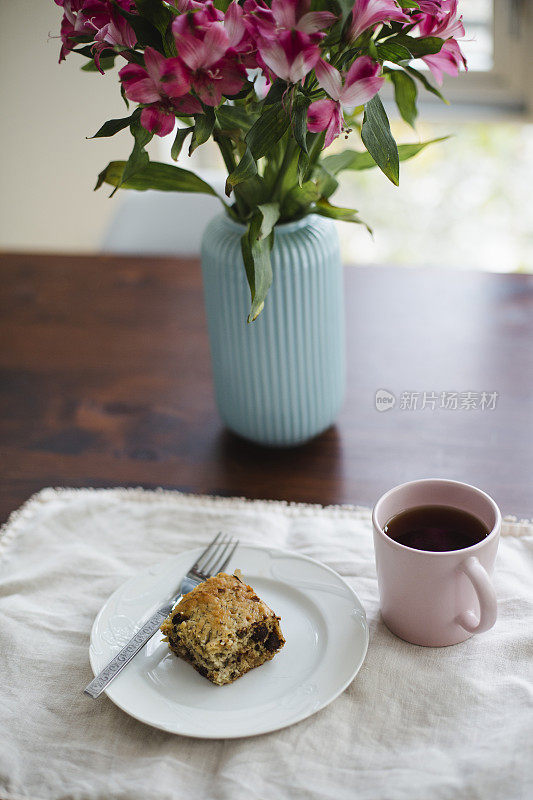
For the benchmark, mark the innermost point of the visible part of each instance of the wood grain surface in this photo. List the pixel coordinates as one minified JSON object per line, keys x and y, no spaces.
{"x":105,"y":381}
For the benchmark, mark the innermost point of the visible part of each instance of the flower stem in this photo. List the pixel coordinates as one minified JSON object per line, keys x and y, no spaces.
{"x":226,"y":151}
{"x":285,"y":164}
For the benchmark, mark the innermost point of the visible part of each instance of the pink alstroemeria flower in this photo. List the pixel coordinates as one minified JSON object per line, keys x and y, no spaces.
{"x":213,"y":73}
{"x":115,"y":33}
{"x":163,"y":86}
{"x":100,"y":21}
{"x":448,"y":59}
{"x":287,"y":35}
{"x":73,"y":24}
{"x":290,"y":56}
{"x":240,"y":40}
{"x":433,"y":7}
{"x":285,"y":15}
{"x":188,"y":5}
{"x":204,"y":15}
{"x":445,"y":25}
{"x":361,"y":83}
{"x":295,"y":15}
{"x":367,"y":13}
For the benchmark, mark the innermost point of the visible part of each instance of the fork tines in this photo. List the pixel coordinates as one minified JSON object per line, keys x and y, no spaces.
{"x":216,"y":556}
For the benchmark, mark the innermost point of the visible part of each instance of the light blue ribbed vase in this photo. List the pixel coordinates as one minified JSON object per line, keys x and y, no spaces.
{"x":279,"y":380}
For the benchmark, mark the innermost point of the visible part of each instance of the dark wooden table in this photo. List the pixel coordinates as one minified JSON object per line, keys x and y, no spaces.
{"x":105,"y":381}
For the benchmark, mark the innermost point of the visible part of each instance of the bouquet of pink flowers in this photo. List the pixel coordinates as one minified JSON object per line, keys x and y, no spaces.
{"x":273,"y":84}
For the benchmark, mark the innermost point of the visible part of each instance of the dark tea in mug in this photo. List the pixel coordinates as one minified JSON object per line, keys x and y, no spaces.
{"x":436,"y":528}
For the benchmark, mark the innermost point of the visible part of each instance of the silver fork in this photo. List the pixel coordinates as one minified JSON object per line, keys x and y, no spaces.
{"x":215,"y":558}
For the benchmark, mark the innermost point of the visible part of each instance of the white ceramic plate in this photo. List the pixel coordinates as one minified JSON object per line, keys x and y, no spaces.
{"x":323,"y":622}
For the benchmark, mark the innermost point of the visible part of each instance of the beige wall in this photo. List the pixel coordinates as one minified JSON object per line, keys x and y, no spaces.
{"x":48,"y":168}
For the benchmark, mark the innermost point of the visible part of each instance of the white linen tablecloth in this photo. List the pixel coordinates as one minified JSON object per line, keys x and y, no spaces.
{"x":415,"y":723}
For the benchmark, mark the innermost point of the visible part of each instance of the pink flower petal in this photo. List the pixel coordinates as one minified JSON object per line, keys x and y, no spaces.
{"x":132,"y":72}
{"x":334,"y":127}
{"x":360,"y":92}
{"x":187,"y":105}
{"x":232,"y":76}
{"x":216,"y":43}
{"x":362,"y":82}
{"x":320,"y":114}
{"x":190,"y":49}
{"x":304,"y":62}
{"x":233,"y":24}
{"x":329,"y":78}
{"x":155,"y":63}
{"x":316,"y":21}
{"x":157,"y":120}
{"x":363,"y":67}
{"x":448,"y":60}
{"x":208,"y":90}
{"x":137,"y":85}
{"x":284,"y":12}
{"x":367,"y":13}
{"x":275,"y":58}
{"x":174,"y":78}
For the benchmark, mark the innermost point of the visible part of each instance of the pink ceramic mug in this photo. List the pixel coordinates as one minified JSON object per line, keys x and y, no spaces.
{"x":436,"y":598}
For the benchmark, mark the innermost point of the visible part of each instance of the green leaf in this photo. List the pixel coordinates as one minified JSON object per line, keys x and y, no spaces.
{"x":267,"y":130}
{"x":139,"y":157}
{"x":235,"y":118}
{"x":203,"y":128}
{"x":113,"y":126}
{"x":299,"y":120}
{"x":345,"y":8}
{"x":378,"y":140}
{"x":172,"y":9}
{"x":147,"y":34}
{"x":425,"y":46}
{"x":407,"y":151}
{"x":160,"y":16}
{"x":425,"y":83}
{"x":106,"y":63}
{"x":155,"y":11}
{"x":164,"y":177}
{"x":353,"y":160}
{"x":181,"y":135}
{"x":245,"y":169}
{"x":392,"y":51}
{"x":299,"y":200}
{"x":405,"y":94}
{"x":123,"y":93}
{"x":326,"y":182}
{"x":303,"y":166}
{"x":247,"y":88}
{"x":253,"y":192}
{"x":348,"y":159}
{"x":407,"y":4}
{"x":256,"y":245}
{"x":276,"y":92}
{"x":269,"y":217}
{"x":325,"y":209}
{"x":86,"y":51}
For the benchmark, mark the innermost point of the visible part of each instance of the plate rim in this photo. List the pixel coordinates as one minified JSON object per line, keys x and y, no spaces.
{"x":269,"y":729}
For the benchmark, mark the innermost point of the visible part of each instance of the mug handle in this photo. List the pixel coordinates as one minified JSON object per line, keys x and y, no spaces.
{"x":486,"y":595}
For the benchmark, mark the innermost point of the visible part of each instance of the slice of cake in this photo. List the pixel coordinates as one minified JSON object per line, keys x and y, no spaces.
{"x":223,"y":629}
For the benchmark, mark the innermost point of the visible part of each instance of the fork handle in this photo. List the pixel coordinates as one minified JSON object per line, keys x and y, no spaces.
{"x":136,"y":643}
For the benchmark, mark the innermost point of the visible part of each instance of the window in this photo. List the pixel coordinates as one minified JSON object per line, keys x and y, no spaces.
{"x":500,"y":61}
